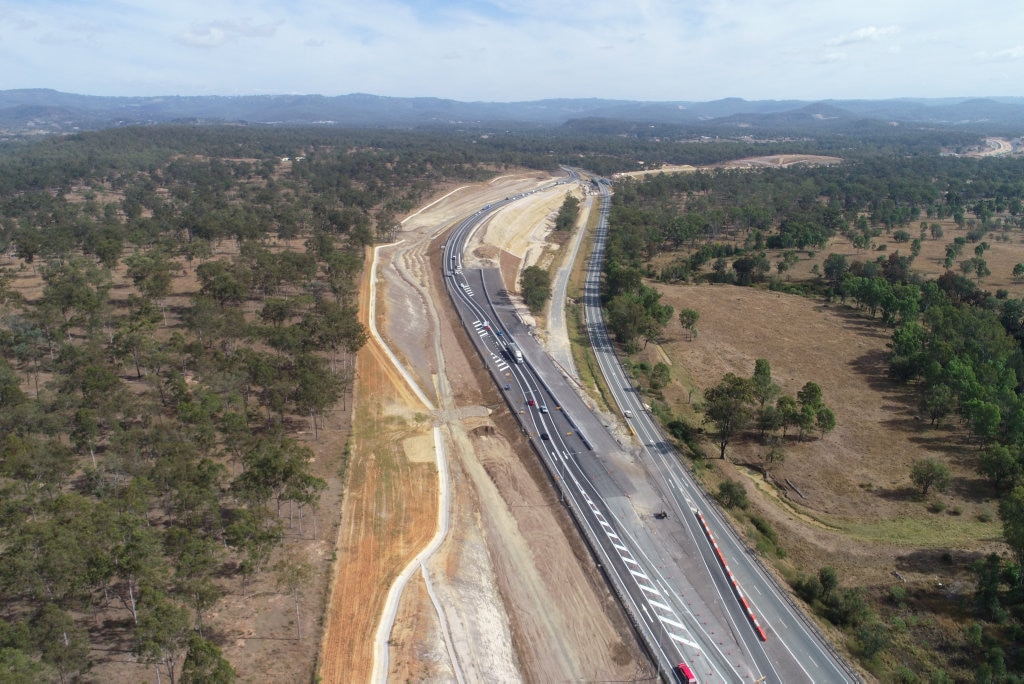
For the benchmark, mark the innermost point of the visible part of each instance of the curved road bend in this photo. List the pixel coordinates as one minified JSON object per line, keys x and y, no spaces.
{"x":649,"y":564}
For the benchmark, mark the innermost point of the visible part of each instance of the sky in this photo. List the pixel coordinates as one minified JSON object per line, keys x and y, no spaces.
{"x":517,"y":50}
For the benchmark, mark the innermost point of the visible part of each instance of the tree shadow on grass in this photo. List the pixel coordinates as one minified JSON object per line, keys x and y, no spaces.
{"x":907,"y":493}
{"x":973,"y":489}
{"x":943,"y":561}
{"x":951,"y":444}
{"x":874,"y":365}
{"x":859,"y":321}
{"x":113,"y":639}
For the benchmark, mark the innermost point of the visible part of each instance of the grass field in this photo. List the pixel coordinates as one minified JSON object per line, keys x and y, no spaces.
{"x":856,"y":509}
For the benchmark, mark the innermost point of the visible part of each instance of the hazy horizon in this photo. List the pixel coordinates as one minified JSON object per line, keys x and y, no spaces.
{"x":514,"y":51}
{"x":736,"y":97}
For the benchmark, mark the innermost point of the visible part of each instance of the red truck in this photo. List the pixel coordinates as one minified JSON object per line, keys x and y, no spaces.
{"x":686,"y":673}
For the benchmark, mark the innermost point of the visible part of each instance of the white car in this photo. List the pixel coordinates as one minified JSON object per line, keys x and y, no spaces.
{"x":628,"y":414}
{"x":543,"y":409}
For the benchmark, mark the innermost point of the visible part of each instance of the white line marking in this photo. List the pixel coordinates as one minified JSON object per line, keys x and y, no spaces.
{"x":675,"y":624}
{"x":662,"y":606}
{"x":681,"y":640}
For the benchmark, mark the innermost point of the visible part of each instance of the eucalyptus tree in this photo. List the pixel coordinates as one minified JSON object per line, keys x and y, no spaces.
{"x":726,"y":407}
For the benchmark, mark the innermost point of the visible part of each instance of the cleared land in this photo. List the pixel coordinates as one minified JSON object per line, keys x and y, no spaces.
{"x":389,"y":510}
{"x":512,"y":548}
{"x":770,"y":161}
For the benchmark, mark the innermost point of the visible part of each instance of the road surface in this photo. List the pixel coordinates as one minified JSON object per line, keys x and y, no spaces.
{"x":666,"y":572}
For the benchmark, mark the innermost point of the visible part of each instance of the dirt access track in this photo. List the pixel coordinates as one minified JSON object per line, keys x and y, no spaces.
{"x":774,"y":161}
{"x":512,"y":593}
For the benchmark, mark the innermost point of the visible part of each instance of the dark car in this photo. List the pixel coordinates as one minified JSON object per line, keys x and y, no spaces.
{"x":544,"y":436}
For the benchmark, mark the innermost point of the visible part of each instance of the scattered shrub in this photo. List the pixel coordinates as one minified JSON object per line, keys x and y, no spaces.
{"x":732,"y":494}
{"x":848,"y":608}
{"x":809,"y":589}
{"x":872,"y":637}
{"x":904,"y":675}
{"x":765,"y":528}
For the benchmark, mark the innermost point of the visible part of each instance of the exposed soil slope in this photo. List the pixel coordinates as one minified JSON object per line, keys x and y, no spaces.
{"x":519,"y":596}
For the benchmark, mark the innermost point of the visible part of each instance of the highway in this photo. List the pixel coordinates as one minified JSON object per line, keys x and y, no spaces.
{"x":665,"y":572}
{"x":789,"y":631}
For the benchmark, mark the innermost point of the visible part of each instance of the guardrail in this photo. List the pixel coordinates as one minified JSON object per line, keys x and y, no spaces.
{"x":779,"y":589}
{"x":732,"y":580}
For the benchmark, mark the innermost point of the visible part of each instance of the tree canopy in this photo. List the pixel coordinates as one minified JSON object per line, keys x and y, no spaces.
{"x":149,"y":454}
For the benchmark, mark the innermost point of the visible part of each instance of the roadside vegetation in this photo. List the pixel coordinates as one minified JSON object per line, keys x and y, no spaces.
{"x":583,"y":354}
{"x":568,"y":213}
{"x":535,"y":284}
{"x":953,"y":343}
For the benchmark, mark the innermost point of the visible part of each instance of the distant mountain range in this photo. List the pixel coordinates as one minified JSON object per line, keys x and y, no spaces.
{"x":38,"y":111}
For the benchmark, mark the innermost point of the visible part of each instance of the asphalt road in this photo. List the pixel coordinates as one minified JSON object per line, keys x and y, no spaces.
{"x":665,"y":572}
{"x":795,"y":648}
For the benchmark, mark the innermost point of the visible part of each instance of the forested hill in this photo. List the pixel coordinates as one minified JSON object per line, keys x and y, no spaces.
{"x":37,"y":111}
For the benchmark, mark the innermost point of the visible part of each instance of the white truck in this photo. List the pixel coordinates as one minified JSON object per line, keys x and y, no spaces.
{"x":514,"y":352}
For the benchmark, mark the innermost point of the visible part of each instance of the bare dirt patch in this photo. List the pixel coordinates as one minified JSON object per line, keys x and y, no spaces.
{"x":419,"y":449}
{"x":522,"y":228}
{"x":389,"y":513}
{"x":777,"y":161}
{"x":780,"y":161}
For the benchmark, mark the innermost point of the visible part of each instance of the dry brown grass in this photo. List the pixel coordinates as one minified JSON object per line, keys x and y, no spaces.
{"x":860,"y":513}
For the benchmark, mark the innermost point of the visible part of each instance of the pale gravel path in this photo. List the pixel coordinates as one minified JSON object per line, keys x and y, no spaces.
{"x":380,"y":646}
{"x":470,"y":615}
{"x":557,"y":342}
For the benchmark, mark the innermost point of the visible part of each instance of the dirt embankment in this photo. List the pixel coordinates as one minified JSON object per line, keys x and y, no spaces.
{"x":388,"y":513}
{"x":512,"y":594}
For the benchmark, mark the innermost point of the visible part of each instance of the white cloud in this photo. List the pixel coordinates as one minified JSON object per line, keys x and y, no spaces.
{"x":217,"y":33}
{"x":832,"y":58}
{"x":504,"y":50}
{"x":203,"y":36}
{"x":1015,"y":52}
{"x":868,"y":34}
